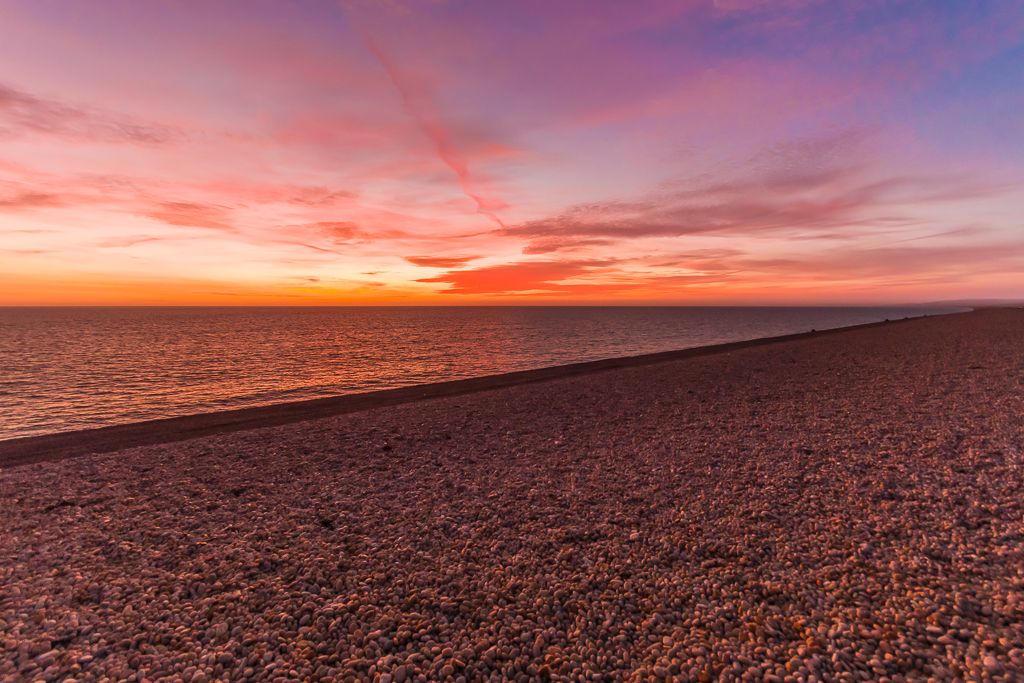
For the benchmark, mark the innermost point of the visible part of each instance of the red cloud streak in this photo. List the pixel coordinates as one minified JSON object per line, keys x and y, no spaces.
{"x":545,"y":276}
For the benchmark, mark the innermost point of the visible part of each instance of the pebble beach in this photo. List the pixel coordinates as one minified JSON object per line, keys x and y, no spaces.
{"x":843,"y":508}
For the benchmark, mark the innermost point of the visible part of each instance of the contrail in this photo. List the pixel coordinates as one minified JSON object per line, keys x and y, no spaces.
{"x":449,"y":154}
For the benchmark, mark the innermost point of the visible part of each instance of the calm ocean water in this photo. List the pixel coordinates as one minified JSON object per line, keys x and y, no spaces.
{"x":74,"y":368}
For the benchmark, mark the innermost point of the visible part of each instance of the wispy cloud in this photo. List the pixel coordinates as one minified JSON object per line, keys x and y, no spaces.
{"x":319,"y":196}
{"x":191,"y":214}
{"x":338,"y":231}
{"x":22,"y":113}
{"x":440,"y":261}
{"x":29,"y":200}
{"x":315,"y":197}
{"x":124,"y":241}
{"x":805,"y":204}
{"x":540,"y":244}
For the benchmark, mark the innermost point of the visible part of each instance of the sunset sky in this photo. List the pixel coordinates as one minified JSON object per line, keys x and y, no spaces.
{"x":693,"y":151}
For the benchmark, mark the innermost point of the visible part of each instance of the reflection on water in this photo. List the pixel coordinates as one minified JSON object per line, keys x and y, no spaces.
{"x":74,"y":368}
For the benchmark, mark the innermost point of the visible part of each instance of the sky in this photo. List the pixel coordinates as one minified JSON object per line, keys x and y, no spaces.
{"x":766,"y":152}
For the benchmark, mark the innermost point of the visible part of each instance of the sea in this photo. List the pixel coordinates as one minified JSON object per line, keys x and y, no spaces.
{"x":65,"y":369}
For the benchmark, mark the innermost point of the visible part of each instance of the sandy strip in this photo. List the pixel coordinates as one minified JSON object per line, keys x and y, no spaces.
{"x":26,"y":450}
{"x":842,"y":507}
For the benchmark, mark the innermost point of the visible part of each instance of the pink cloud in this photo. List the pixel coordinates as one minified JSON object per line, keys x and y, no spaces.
{"x":318,"y":196}
{"x":724,"y":209}
{"x":549,"y":245}
{"x":132,"y":240}
{"x":796,"y":200}
{"x":22,"y":113}
{"x":313,"y":196}
{"x":29,"y":200}
{"x":338,"y":231}
{"x":191,"y":214}
{"x":440,"y":261}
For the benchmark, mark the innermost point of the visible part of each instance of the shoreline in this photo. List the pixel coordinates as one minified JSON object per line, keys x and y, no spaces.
{"x":61,"y":445}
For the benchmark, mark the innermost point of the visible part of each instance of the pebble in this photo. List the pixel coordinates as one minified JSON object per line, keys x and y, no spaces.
{"x":993,"y":665}
{"x":834,"y":509}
